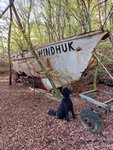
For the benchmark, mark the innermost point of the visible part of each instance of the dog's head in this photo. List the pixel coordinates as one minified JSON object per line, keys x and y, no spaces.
{"x":66,"y":92}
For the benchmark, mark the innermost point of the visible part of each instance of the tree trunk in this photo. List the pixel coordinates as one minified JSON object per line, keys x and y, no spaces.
{"x":28,"y":40}
{"x":9,"y":44}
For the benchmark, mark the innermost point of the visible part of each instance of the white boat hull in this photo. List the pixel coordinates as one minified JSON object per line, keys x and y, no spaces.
{"x":67,"y":58}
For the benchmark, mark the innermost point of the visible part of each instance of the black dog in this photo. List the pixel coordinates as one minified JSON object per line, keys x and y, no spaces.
{"x":65,"y":106}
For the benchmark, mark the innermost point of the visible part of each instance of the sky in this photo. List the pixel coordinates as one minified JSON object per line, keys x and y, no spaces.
{"x":3,"y":4}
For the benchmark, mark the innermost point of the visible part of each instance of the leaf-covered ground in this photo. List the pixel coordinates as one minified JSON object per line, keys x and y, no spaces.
{"x":25,"y":125}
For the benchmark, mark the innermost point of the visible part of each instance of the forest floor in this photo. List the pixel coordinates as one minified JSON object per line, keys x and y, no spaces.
{"x":25,"y":125}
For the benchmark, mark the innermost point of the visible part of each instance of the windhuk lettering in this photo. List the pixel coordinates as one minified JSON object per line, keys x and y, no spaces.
{"x":40,"y":53}
{"x":52,"y":50}
{"x":47,"y":51}
{"x":64,"y":47}
{"x":70,"y":46}
{"x":58,"y":50}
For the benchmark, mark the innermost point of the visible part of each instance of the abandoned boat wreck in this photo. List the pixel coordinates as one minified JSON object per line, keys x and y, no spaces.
{"x":66,"y":59}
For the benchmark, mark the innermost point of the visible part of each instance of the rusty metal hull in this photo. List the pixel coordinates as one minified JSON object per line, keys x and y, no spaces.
{"x":66,"y":59}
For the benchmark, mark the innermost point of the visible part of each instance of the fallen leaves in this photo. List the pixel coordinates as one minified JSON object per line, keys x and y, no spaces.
{"x":25,"y":125}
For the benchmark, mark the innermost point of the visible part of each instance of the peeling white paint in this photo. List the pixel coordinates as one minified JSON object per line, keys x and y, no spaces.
{"x":69,"y":64}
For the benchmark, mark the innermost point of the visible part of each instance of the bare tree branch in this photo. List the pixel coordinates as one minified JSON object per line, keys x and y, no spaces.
{"x":11,"y":3}
{"x":97,"y":5}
